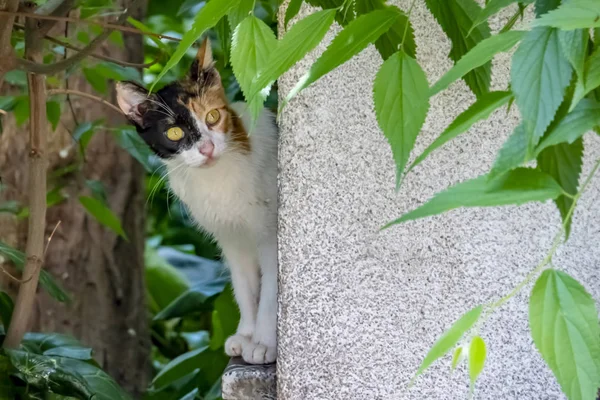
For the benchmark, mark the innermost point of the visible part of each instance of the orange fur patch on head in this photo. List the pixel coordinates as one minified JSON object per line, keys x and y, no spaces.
{"x":239,"y":136}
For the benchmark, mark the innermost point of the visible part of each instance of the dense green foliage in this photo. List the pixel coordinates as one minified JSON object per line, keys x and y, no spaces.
{"x":554,"y":83}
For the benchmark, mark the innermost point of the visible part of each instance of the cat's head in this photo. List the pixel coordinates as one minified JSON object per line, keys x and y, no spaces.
{"x":189,"y":121}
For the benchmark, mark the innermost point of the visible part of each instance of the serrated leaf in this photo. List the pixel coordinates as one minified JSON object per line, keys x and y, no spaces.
{"x":103,"y":214}
{"x":253,"y":41}
{"x":400,"y":33}
{"x":291,"y":11}
{"x":6,"y":309}
{"x":480,"y":110}
{"x":46,"y":280}
{"x":493,"y":6}
{"x":354,"y":38}
{"x":539,"y":76}
{"x":574,"y":46}
{"x":479,"y":55}
{"x":514,"y":152}
{"x":572,"y":14}
{"x":400,"y":93}
{"x":574,"y":125}
{"x":304,"y":36}
{"x":565,"y":329}
{"x":591,"y":77}
{"x":449,"y":339}
{"x":208,"y":17}
{"x":519,"y":186}
{"x":456,"y":17}
{"x":240,"y":12}
{"x":563,"y":162}
{"x":477,"y":353}
{"x":543,"y":6}
{"x":53,"y":113}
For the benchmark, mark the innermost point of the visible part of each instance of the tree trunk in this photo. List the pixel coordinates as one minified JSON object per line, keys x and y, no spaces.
{"x":103,"y":273}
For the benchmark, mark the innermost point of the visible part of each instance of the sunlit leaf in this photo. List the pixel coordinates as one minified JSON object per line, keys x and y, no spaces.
{"x":449,"y":339}
{"x":540,"y":74}
{"x":493,"y":6}
{"x":292,"y":10}
{"x":480,"y":110}
{"x":239,"y":13}
{"x":401,"y":100}
{"x":479,"y":55}
{"x":354,"y":38}
{"x":591,"y":77}
{"x":564,"y":325}
{"x":572,"y":14}
{"x":519,"y":186}
{"x":477,"y":353}
{"x":208,"y":17}
{"x":514,"y":152}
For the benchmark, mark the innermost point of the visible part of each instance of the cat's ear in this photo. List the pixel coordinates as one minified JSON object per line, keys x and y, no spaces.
{"x":132,"y":100}
{"x":204,"y":61}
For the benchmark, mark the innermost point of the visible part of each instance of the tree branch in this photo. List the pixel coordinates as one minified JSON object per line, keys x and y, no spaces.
{"x":38,"y":160}
{"x":98,"y":56}
{"x":56,"y":8}
{"x":7,"y":55}
{"x":85,"y":21}
{"x":86,"y":95}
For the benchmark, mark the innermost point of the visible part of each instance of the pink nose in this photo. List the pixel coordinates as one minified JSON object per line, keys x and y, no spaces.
{"x":207,"y":148}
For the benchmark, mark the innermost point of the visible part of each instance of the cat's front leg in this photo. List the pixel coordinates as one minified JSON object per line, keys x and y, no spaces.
{"x":245,"y":277}
{"x":263,"y":347}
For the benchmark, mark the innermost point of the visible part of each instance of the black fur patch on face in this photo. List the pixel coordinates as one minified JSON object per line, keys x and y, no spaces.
{"x":163,"y":110}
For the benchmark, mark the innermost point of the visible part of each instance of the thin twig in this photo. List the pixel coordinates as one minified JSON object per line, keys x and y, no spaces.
{"x":86,"y":95}
{"x":94,"y":55}
{"x":11,"y":276}
{"x":85,"y":21}
{"x":51,"y":236}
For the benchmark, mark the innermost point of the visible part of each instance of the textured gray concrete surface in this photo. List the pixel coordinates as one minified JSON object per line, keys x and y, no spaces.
{"x":243,"y":381}
{"x":359,"y":309}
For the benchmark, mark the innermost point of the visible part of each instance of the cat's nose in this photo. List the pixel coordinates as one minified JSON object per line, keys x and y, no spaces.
{"x":207,"y":148}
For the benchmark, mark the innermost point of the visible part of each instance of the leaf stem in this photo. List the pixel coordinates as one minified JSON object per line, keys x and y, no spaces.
{"x":407,"y":23}
{"x":548,"y":259}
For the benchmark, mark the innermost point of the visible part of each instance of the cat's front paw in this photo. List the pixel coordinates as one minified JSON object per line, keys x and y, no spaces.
{"x":257,"y":353}
{"x":235,"y":344}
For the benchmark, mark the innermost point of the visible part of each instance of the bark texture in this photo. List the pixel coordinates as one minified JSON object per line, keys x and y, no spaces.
{"x":103,"y":273}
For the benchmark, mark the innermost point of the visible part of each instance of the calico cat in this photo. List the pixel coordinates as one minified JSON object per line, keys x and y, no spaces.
{"x":228,"y":181}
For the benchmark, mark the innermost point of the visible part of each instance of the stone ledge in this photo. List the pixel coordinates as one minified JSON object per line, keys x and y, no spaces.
{"x":243,"y":381}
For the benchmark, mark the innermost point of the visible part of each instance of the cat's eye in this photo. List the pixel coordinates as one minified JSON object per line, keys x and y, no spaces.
{"x":175,"y":133}
{"x":213,"y":117}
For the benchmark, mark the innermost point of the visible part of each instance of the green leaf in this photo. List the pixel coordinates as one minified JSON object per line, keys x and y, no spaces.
{"x":208,"y":17}
{"x":456,"y":17}
{"x":449,"y":339}
{"x":96,"y":80}
{"x":480,"y":110}
{"x":479,"y":55}
{"x":539,"y":76}
{"x":6,"y":386}
{"x":46,"y":280}
{"x":579,"y":121}
{"x":390,"y":41}
{"x":49,"y":373}
{"x":543,"y":6}
{"x":10,"y":207}
{"x":513,"y":152}
{"x":164,"y":283}
{"x":6,"y":309}
{"x":53,"y":113}
{"x":224,"y":36}
{"x":228,"y":312}
{"x":493,"y":6}
{"x":75,"y":352}
{"x":291,"y":11}
{"x":354,"y":38}
{"x":178,"y":367}
{"x":198,"y":298}
{"x":400,"y":93}
{"x":21,"y":110}
{"x":241,"y":12}
{"x":477,"y":353}
{"x":574,"y":46}
{"x":519,"y":186}
{"x":40,"y":342}
{"x":564,"y":325}
{"x":572,"y":14}
{"x":304,"y":36}
{"x":591,"y":77}
{"x":139,"y":25}
{"x":116,"y":72}
{"x":102,"y":214}
{"x":457,"y":357}
{"x":563,"y":162}
{"x":252,"y":43}
{"x":83,"y":134}
{"x":128,"y":139}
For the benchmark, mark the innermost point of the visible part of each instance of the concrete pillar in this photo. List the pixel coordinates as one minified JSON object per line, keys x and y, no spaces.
{"x":359,"y":308}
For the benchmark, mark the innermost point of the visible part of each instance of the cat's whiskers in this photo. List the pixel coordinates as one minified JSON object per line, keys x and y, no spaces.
{"x":164,"y":106}
{"x":160,"y":181}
